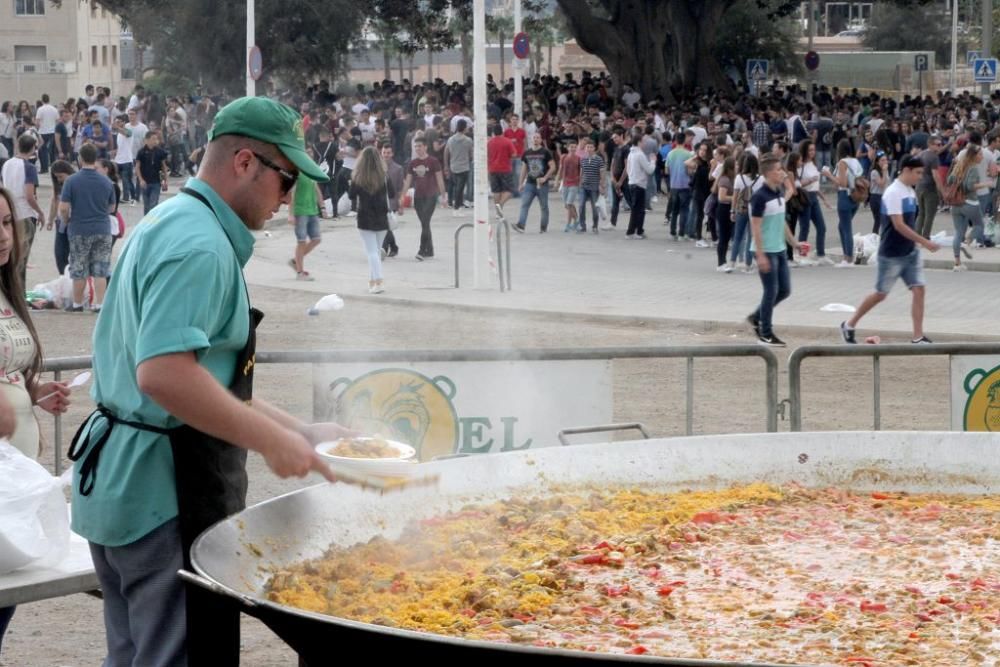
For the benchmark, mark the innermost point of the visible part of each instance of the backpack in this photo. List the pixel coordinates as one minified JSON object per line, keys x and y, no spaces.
{"x":859,"y":190}
{"x":953,"y":193}
{"x":746,"y":194}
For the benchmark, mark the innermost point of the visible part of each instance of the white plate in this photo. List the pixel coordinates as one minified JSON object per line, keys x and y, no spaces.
{"x":401,"y":466}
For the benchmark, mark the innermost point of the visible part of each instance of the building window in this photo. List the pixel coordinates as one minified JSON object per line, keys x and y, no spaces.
{"x":104,"y":56}
{"x":114,"y":55}
{"x":29,"y":7}
{"x":93,"y":56}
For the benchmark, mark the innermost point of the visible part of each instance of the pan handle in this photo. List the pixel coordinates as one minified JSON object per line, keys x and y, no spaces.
{"x":208,"y":584}
{"x":606,"y":428}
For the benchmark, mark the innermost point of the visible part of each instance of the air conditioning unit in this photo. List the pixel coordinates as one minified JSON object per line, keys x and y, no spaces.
{"x":57,"y":67}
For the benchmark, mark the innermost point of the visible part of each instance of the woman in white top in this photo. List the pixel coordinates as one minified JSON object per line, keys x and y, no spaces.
{"x":8,"y":127}
{"x":20,"y":358}
{"x":809,"y":178}
{"x":848,"y":171}
{"x":880,"y":179}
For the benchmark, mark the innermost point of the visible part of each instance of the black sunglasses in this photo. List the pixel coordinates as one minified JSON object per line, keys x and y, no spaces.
{"x":288,"y":178}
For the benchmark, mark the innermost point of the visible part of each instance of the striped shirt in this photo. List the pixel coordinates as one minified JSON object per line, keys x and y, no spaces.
{"x":590,"y":170}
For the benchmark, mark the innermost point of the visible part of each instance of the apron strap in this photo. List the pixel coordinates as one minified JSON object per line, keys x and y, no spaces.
{"x":82,"y":441}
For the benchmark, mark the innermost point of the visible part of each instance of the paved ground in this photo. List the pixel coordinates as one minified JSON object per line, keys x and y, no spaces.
{"x":605,"y":274}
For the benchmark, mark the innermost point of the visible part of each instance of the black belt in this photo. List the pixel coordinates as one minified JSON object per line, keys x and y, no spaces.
{"x":88,"y":469}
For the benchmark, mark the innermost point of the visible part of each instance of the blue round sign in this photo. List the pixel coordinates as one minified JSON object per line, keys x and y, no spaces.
{"x":255,"y":62}
{"x":522,"y":47}
{"x":812,"y":61}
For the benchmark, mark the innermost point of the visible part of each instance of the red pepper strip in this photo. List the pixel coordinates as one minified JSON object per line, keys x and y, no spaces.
{"x":590,"y":559}
{"x":866,"y":661}
{"x":881,"y":496}
{"x":616,"y":591}
{"x":925,"y":618}
{"x":603,"y":545}
{"x":873,"y":607}
{"x":712,"y":517}
{"x":953,"y":576}
{"x":524,"y":618}
{"x":591,"y":611}
{"x":665,"y":591}
{"x":622,"y":623}
{"x":914,"y":590}
{"x":637,"y":650}
{"x":945,"y":600}
{"x":470,"y":613}
{"x":979,"y":583}
{"x":652,"y":572}
{"x":963,"y":607}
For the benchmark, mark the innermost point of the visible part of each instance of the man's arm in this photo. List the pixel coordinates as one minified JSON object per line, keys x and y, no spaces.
{"x":64,"y":211}
{"x":29,"y":196}
{"x":904,"y":230}
{"x":439,"y":176}
{"x":186,"y":390}
{"x":757,"y":225}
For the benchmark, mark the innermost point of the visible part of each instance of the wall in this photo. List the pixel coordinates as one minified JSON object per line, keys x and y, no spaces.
{"x":56,"y":31}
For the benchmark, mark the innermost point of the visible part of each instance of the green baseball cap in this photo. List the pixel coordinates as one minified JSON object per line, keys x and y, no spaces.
{"x":271,"y":122}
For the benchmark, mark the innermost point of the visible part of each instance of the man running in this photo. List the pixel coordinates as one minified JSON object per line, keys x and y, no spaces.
{"x":898,"y":255}
{"x":537,"y":169}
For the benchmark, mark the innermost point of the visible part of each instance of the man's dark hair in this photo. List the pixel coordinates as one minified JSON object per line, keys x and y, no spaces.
{"x":26,"y":143}
{"x":421,"y":141}
{"x":88,"y":87}
{"x":679,"y":137}
{"x":976,"y":138}
{"x":88,"y":154}
{"x":45,"y":98}
{"x":461,"y":125}
{"x":910,"y":162}
{"x":497,"y":130}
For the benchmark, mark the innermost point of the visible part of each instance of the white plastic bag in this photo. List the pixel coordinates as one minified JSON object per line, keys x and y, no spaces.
{"x":328,"y":208}
{"x":344,"y":205}
{"x":34,"y":523}
{"x":602,"y":207}
{"x":61,"y":290}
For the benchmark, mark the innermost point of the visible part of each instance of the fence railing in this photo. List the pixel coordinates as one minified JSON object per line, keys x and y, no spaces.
{"x":876,"y":352}
{"x":58,"y":366}
{"x":502,"y":227}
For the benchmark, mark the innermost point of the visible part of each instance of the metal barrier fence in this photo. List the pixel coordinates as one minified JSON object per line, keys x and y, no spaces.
{"x":876,"y":352}
{"x":501,"y":260}
{"x":60,"y":365}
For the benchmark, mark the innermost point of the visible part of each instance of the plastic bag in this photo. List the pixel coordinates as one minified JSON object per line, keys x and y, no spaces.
{"x":34,"y":523}
{"x":60,"y":289}
{"x":992,"y":231}
{"x":343,"y":205}
{"x":328,"y":208}
{"x":602,"y":207}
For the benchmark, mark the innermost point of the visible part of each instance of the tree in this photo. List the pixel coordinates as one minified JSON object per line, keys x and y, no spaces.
{"x":300,"y":39}
{"x":753,"y":31}
{"x":910,"y":27}
{"x":501,"y":27}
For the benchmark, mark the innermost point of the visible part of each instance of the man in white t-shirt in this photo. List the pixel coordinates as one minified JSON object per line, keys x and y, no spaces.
{"x":46,"y":118}
{"x":124,"y":158}
{"x":135,"y":102}
{"x":367,"y":126}
{"x":20,"y":177}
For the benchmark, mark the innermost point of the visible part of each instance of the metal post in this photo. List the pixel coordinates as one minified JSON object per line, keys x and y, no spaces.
{"x":458,"y":232}
{"x":518,"y":84}
{"x":481,"y":232}
{"x":811,"y":77}
{"x":57,"y":446}
{"x":500,"y":255}
{"x":954,"y":44}
{"x":251,"y":41}
{"x":877,"y":381}
{"x":689,"y":417}
{"x":987,"y":45}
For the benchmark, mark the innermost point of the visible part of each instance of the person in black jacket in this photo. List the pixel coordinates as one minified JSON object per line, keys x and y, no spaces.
{"x":370,"y":192}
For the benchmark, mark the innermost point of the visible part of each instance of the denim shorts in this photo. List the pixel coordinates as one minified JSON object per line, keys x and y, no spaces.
{"x":570,"y":194}
{"x":90,"y":256}
{"x":307,"y":228}
{"x":908,"y":267}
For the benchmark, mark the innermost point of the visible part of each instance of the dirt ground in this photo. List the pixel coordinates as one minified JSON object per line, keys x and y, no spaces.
{"x":729,"y":397}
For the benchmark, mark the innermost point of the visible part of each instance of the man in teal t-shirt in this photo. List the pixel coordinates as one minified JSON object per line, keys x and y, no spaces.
{"x":767,"y":218}
{"x":164,"y":455}
{"x":304,"y":213}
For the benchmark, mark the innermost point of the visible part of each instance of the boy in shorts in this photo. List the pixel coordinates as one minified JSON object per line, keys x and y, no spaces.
{"x":568,"y":182}
{"x":305,"y":214}
{"x":500,"y":151}
{"x":898,"y":254}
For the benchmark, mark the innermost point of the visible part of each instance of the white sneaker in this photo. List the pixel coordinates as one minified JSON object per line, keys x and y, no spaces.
{"x":352,"y":214}
{"x":843,"y":264}
{"x":607,"y":227}
{"x":456,"y":213}
{"x":825,"y":261}
{"x":702,"y":244}
{"x":959,"y":268}
{"x":724,"y":268}
{"x":656,"y":200}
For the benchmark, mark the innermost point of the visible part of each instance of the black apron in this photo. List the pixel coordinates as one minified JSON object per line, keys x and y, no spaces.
{"x":211,"y":481}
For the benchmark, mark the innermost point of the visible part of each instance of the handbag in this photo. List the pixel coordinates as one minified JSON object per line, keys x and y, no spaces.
{"x":392,"y":218}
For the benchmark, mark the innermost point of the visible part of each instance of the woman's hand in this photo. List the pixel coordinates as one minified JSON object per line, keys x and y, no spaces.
{"x":54,"y":397}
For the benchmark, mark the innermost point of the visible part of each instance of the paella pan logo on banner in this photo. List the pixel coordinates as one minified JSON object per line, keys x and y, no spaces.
{"x":466,"y":407}
{"x":975,"y":394}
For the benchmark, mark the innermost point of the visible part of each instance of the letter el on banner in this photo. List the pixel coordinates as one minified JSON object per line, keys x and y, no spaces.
{"x":466,"y":407}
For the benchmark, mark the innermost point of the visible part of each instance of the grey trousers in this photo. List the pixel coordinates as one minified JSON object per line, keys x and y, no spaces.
{"x":144,"y":616}
{"x":927,"y":205}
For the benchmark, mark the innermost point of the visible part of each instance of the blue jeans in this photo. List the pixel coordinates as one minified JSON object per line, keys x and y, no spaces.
{"x":127,"y":173}
{"x":515,"y":165}
{"x":777,"y":285}
{"x":679,"y":208}
{"x":650,"y":190}
{"x":814,"y":213}
{"x":61,"y":249}
{"x":6,"y":613}
{"x":530,"y":192}
{"x":846,"y":208}
{"x":592,"y":196}
{"x":741,"y":240}
{"x":962,"y":216}
{"x":150,"y":197}
{"x":46,"y":152}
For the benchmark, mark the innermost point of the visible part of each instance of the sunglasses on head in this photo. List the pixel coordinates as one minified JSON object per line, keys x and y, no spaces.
{"x":288,"y":178}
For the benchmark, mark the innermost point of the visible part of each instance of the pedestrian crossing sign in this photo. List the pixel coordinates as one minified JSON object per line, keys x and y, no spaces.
{"x":757,"y":69}
{"x":985,"y":70}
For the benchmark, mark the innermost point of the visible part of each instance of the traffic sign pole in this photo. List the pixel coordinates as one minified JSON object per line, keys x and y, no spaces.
{"x":251,"y":42}
{"x":987,"y":38}
{"x":518,"y":83}
{"x":811,"y":76}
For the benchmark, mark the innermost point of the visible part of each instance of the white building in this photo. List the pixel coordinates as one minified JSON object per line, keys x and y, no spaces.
{"x":58,"y":50}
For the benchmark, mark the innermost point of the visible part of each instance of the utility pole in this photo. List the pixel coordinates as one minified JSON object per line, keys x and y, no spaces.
{"x":954,"y":45}
{"x":518,"y":84}
{"x":987,"y":45}
{"x":811,"y":76}
{"x":251,"y":42}
{"x":480,"y":225}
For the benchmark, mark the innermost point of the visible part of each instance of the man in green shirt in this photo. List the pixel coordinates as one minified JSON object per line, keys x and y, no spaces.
{"x":304,"y":214}
{"x":164,"y":455}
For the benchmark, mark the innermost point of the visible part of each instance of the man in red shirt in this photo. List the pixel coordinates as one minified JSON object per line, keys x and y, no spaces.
{"x":516,"y":134}
{"x":568,"y":182}
{"x":500,"y":153}
{"x":424,"y":173}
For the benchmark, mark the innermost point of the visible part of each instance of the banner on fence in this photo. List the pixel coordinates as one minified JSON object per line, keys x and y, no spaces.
{"x":466,"y":407}
{"x":975,"y":393}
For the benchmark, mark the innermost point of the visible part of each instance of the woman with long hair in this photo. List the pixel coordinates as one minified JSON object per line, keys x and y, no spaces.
{"x":724,"y":212}
{"x":880,"y":180}
{"x":20,"y":358}
{"x":809,"y":176}
{"x":61,"y":170}
{"x":848,"y":171}
{"x":793,"y":163}
{"x":8,"y":127}
{"x":371,"y":191}
{"x":966,"y":174}
{"x":748,"y":182}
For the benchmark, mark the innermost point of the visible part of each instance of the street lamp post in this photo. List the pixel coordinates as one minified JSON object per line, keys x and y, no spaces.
{"x":518,"y":84}
{"x":954,"y":45}
{"x":251,"y":41}
{"x":481,"y":277}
